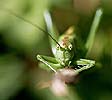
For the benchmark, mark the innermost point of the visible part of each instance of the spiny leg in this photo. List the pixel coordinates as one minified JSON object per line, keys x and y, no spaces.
{"x":49,"y":61}
{"x":84,"y":64}
{"x":51,"y":29}
{"x":93,"y":30}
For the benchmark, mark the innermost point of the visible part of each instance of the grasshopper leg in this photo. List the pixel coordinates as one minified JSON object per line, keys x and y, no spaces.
{"x":51,"y":29}
{"x":49,"y":62}
{"x":93,"y":30}
{"x":84,"y":64}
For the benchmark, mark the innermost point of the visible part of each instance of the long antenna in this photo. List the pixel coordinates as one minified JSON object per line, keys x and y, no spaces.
{"x":33,"y":24}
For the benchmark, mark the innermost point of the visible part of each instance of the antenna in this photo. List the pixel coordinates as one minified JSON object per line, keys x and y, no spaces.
{"x":33,"y":24}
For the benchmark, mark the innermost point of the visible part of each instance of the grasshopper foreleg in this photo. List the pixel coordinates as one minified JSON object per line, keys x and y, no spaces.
{"x":50,"y":62}
{"x":84,"y":64}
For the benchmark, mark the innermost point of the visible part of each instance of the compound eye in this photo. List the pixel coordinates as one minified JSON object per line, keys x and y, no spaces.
{"x":70,"y":47}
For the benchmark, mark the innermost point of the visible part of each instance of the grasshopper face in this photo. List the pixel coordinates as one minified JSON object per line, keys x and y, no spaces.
{"x":64,"y":54}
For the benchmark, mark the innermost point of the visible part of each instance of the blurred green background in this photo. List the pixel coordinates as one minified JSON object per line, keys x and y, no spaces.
{"x":20,"y":42}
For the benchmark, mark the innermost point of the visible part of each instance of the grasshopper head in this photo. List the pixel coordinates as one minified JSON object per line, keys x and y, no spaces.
{"x":64,"y":54}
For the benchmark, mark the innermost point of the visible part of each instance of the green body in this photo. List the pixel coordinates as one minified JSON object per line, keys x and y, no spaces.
{"x":65,"y":53}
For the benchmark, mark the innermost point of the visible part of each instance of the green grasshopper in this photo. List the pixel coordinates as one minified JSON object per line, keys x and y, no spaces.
{"x":66,"y":62}
{"x":65,"y":49}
